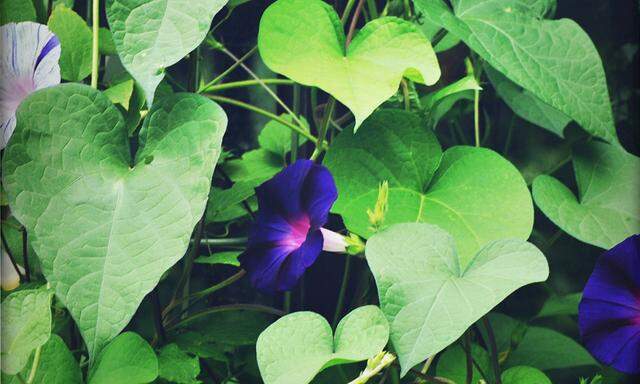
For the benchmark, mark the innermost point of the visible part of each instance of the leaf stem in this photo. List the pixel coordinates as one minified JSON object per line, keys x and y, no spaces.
{"x":34,"y":365}
{"x":493,"y":349}
{"x":295,"y":137}
{"x":261,"y":111}
{"x":246,"y":83}
{"x":95,"y":47}
{"x":157,"y":316}
{"x":347,"y":11}
{"x":5,"y":245}
{"x":476,"y":116}
{"x":226,"y":308}
{"x":343,"y":290}
{"x":224,"y":74}
{"x":225,"y":241}
{"x":354,"y":21}
{"x":373,"y":9}
{"x":469,"y":357}
{"x":328,"y":114}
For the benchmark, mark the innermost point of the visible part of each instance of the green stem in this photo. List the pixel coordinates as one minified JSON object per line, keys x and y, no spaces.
{"x":343,"y":290}
{"x":493,"y":349}
{"x":295,"y":138}
{"x":328,"y":114}
{"x":286,"y":302}
{"x":224,"y":74}
{"x":262,"y":112}
{"x":347,"y":11}
{"x":95,"y":47}
{"x":34,"y":365}
{"x":225,"y":241}
{"x":354,"y":22}
{"x":469,"y":357}
{"x":245,"y":83}
{"x":476,"y":116}
{"x":405,"y":95}
{"x":407,"y":9}
{"x":373,"y":10}
{"x":226,"y":308}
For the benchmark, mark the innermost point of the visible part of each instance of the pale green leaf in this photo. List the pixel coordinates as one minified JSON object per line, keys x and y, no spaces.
{"x":298,"y":346}
{"x":526,"y":105}
{"x":26,"y":325}
{"x":16,"y":11}
{"x":254,"y":167}
{"x":152,"y":35}
{"x":430,"y":296}
{"x":176,"y":366}
{"x":276,"y":137}
{"x":75,"y":40}
{"x":475,"y":194}
{"x":362,"y":76}
{"x":607,"y":210}
{"x":128,"y":359}
{"x":105,"y":226}
{"x":524,"y":375}
{"x":555,"y":60}
{"x":229,"y":258}
{"x":120,"y":93}
{"x":224,"y":204}
{"x":467,"y":83}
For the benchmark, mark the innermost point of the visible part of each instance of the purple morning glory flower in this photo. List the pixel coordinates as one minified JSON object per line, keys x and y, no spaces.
{"x":29,"y":61}
{"x":609,"y":315}
{"x":287,"y":235}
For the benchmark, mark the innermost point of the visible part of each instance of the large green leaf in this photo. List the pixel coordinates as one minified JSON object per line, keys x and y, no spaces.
{"x":57,"y":365}
{"x":176,"y":366}
{"x":555,"y":60}
{"x":106,"y":226}
{"x":25,"y":325}
{"x":524,"y":375}
{"x":15,"y":11}
{"x":151,"y":35}
{"x":607,"y":211}
{"x":298,"y":346}
{"x":428,"y":294}
{"x":128,"y":359}
{"x":75,"y":40}
{"x":362,"y":76}
{"x":473,"y":193}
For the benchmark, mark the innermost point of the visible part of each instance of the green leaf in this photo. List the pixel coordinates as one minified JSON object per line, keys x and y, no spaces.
{"x":555,"y":60}
{"x":229,"y":258}
{"x":473,"y":193}
{"x":128,"y":359}
{"x":75,"y":40}
{"x":231,"y":328}
{"x":120,"y":93}
{"x":254,"y":167}
{"x":106,"y":44}
{"x":176,"y":366}
{"x":223,"y":202}
{"x":153,"y":35}
{"x":99,"y":210}
{"x":298,"y":346}
{"x":430,"y":296}
{"x":57,"y":365}
{"x":452,"y":364}
{"x":26,"y":325}
{"x":608,"y":180}
{"x":276,"y":137}
{"x":15,"y":11}
{"x":526,"y":105}
{"x":524,"y":375}
{"x":561,"y":306}
{"x":361,"y":77}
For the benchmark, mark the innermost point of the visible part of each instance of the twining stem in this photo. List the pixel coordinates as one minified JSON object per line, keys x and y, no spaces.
{"x":425,"y":368}
{"x":354,"y":22}
{"x":343,"y":290}
{"x":373,"y":10}
{"x":226,"y":308}
{"x":224,"y":74}
{"x":261,"y":111}
{"x":469,"y":357}
{"x":95,"y":47}
{"x":225,"y":241}
{"x":476,"y":116}
{"x":246,"y":83}
{"x":407,"y":9}
{"x":493,"y":349}
{"x":347,"y":11}
{"x":295,"y":137}
{"x":34,"y":365}
{"x":328,"y":114}
{"x":157,"y":316}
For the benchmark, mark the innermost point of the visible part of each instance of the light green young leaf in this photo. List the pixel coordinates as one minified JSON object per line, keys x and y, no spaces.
{"x":26,"y":325}
{"x":176,"y":366}
{"x":276,"y":137}
{"x":430,"y":296}
{"x":298,"y":346}
{"x":120,"y":93}
{"x":152,"y":35}
{"x":467,"y":83}
{"x":561,"y":306}
{"x":555,"y":60}
{"x":99,"y":210}
{"x":607,"y":210}
{"x":57,"y":365}
{"x":225,"y":204}
{"x":524,"y":375}
{"x":475,"y":194}
{"x":128,"y":359}
{"x":255,"y":166}
{"x":229,"y":258}
{"x":526,"y":105}
{"x":75,"y":39}
{"x":361,"y":77}
{"x":16,"y":11}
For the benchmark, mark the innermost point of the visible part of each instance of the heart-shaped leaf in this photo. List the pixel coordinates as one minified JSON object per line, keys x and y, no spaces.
{"x":152,"y":35}
{"x":430,"y":297}
{"x":473,"y":193}
{"x":555,"y":60}
{"x":362,"y":76}
{"x":128,"y":359}
{"x":75,"y":40}
{"x":524,"y":375}
{"x":104,"y":226}
{"x":298,"y":346}
{"x":608,"y":181}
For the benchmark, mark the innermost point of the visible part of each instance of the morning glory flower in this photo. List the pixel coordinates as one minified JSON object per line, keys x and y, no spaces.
{"x":29,"y":61}
{"x":287,"y":235}
{"x":609,"y":315}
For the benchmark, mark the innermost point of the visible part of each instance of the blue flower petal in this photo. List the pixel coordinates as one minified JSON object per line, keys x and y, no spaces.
{"x":318,"y":195}
{"x":609,"y":313}
{"x":263,"y":264}
{"x":282,"y":193}
{"x":29,"y":55}
{"x":299,"y":260}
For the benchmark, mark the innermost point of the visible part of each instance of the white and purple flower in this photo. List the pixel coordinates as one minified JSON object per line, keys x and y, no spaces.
{"x":287,"y":235}
{"x":29,"y":61}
